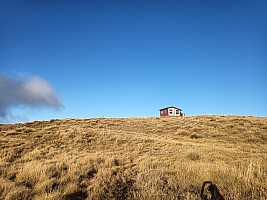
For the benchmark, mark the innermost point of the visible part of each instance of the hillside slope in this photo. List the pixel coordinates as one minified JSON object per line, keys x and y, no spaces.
{"x":134,"y":158}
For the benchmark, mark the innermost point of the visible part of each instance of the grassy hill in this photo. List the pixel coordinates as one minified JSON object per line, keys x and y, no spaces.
{"x":134,"y":158}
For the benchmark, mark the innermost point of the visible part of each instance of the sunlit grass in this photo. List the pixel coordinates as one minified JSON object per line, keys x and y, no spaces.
{"x":134,"y":158}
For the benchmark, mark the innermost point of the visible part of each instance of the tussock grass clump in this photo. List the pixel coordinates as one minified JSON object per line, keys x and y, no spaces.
{"x":134,"y":158}
{"x":193,"y":156}
{"x":194,"y":136}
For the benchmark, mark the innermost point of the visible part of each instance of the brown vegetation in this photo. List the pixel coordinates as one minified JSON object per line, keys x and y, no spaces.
{"x":134,"y":158}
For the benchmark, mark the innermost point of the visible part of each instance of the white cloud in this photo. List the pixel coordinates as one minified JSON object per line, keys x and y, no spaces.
{"x":32,"y":91}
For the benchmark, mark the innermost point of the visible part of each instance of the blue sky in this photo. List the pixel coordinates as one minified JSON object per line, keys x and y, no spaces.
{"x":131,"y":58}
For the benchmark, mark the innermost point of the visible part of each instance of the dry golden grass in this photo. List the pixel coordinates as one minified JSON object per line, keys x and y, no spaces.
{"x":134,"y":158}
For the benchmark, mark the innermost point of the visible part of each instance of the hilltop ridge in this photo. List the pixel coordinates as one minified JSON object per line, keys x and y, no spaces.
{"x":134,"y":158}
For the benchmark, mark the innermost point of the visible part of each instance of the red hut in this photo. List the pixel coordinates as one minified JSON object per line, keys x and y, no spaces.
{"x":171,"y":111}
